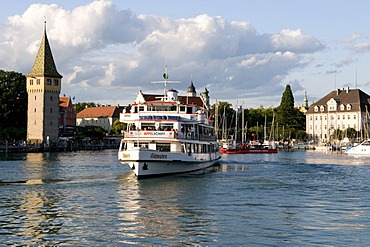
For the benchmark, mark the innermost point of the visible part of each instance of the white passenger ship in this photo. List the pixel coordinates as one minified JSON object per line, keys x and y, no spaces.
{"x":168,"y":134}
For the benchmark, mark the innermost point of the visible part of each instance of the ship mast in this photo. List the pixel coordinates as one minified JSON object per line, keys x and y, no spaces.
{"x":165,"y":81}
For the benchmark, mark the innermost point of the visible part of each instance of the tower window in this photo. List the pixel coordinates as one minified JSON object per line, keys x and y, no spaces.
{"x":35,"y":97}
{"x":48,"y":81}
{"x":31,"y":82}
{"x":51,"y":123}
{"x":56,"y":82}
{"x":51,"y":110}
{"x":51,"y":98}
{"x":35,"y":109}
{"x":38,"y":81}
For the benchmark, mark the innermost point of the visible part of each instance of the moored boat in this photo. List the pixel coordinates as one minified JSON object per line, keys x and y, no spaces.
{"x":168,"y":134}
{"x":232,"y":147}
{"x":361,"y":149}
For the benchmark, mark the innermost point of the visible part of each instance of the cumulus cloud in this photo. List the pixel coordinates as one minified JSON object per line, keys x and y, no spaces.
{"x":107,"y":54}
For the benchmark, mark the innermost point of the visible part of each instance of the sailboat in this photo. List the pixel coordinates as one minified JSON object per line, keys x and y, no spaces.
{"x":232,"y":146}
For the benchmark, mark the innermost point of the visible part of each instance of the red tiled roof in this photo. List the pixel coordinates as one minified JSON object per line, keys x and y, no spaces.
{"x":63,"y":102}
{"x":355,"y":97}
{"x":101,"y":111}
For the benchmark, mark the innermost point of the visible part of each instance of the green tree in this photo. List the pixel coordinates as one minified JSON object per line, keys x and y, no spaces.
{"x":286,"y":107}
{"x":80,"y":106}
{"x":350,"y":133}
{"x":292,"y":120}
{"x":96,"y":132}
{"x":118,"y":127}
{"x":13,"y":105}
{"x":337,"y":134}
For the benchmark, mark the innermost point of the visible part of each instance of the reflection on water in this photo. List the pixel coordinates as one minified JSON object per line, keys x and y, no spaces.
{"x":162,"y":209}
{"x":90,"y":199}
{"x":31,"y":216}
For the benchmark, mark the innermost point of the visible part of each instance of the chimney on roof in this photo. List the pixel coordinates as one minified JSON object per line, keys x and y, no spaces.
{"x":347,"y":89}
{"x":338,"y":91}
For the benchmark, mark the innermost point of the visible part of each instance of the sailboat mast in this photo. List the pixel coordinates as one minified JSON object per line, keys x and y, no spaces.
{"x":242,"y":125}
{"x":264,"y":128}
{"x":236,"y":122}
{"x":216,"y":119}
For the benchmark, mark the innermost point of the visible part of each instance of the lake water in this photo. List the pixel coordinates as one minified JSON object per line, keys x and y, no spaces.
{"x":302,"y":198}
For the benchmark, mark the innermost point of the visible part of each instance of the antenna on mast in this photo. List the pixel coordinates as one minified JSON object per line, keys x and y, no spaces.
{"x":356,"y":80}
{"x":165,"y":81}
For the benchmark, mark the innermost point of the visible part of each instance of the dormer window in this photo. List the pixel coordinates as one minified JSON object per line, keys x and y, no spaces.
{"x":316,"y":109}
{"x":342,"y":107}
{"x":322,"y":108}
{"x":332,"y":104}
{"x":349,"y":107}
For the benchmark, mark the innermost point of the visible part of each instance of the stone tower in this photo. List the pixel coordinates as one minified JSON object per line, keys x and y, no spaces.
{"x":43,"y":89}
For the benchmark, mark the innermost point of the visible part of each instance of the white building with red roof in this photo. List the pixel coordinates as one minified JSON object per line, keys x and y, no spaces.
{"x":103,"y":116}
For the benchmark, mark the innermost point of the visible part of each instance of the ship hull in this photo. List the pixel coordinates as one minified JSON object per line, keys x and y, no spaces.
{"x":151,"y":163}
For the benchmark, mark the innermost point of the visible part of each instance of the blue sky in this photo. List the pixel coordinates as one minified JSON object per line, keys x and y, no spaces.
{"x":245,"y":51}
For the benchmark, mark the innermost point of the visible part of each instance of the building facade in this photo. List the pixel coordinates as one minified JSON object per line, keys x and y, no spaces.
{"x":103,"y":116}
{"x":340,"y":109}
{"x":43,"y":89}
{"x":67,"y":114}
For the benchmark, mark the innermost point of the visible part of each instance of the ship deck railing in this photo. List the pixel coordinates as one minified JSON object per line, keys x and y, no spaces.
{"x":165,"y":134}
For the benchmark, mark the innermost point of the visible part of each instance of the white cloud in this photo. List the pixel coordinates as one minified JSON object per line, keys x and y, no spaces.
{"x":107,"y":54}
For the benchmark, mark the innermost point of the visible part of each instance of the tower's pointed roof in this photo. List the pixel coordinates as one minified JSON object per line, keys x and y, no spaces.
{"x":191,"y":88}
{"x":44,"y":64}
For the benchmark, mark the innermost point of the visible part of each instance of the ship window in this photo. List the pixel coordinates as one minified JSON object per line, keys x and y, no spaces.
{"x":182,"y":108}
{"x":141,"y":108}
{"x":189,"y":110}
{"x":141,"y":144}
{"x":148,"y":126}
{"x":166,"y":126}
{"x":163,"y":147}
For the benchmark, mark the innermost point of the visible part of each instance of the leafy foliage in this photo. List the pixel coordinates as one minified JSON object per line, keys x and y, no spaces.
{"x":13,"y":105}
{"x":80,"y":106}
{"x":94,"y":132}
{"x":118,"y":127}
